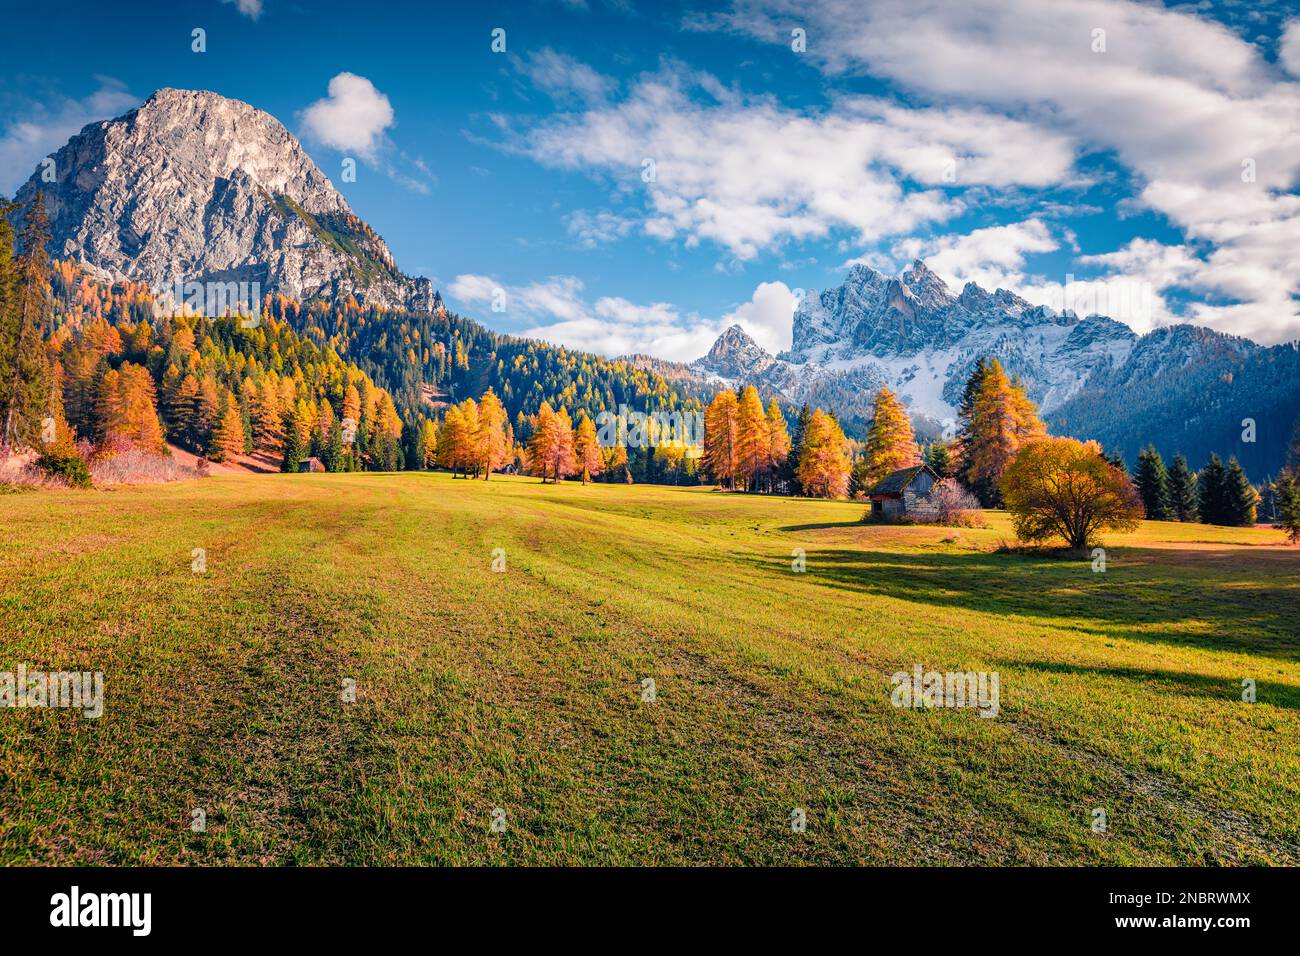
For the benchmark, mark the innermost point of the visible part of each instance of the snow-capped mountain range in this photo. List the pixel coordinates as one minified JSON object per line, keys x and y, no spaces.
{"x":913,"y":334}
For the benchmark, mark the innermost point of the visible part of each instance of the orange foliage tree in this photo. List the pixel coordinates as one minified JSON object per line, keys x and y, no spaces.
{"x":721,"y":434}
{"x":891,"y":443}
{"x":1001,"y":420}
{"x":779,"y":440}
{"x":125,"y":412}
{"x":550,"y":449}
{"x":493,"y":445}
{"x":1059,"y":487}
{"x":228,"y":435}
{"x":586,"y":448}
{"x":456,"y":438}
{"x":753,"y":439}
{"x":823,"y":468}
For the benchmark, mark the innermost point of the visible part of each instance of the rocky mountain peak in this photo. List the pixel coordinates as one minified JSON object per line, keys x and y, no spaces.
{"x":193,"y":186}
{"x":926,"y":287}
{"x":735,"y":354}
{"x":912,"y":333}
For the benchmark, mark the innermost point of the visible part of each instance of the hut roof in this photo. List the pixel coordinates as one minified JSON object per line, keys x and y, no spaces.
{"x":895,"y":483}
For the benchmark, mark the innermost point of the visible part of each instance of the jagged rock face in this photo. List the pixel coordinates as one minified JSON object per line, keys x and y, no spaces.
{"x":911,"y":333}
{"x":194,"y":187}
{"x":734,"y":355}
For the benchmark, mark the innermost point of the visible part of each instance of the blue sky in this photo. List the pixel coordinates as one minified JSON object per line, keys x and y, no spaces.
{"x":1008,"y":143}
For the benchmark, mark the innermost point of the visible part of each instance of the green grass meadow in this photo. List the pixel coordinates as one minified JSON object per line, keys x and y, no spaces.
{"x":522,"y":690}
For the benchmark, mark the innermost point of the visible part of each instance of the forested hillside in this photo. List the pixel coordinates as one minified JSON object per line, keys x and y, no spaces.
{"x":213,"y":386}
{"x":409,"y":353}
{"x":225,"y":386}
{"x":1197,"y":409}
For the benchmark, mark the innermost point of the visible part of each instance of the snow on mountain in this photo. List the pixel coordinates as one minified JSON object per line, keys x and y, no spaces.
{"x":912,"y":333}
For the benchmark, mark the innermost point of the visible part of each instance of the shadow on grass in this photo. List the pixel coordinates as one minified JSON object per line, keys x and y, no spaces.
{"x":1182,"y":682}
{"x":825,"y":525}
{"x":1143,"y":596}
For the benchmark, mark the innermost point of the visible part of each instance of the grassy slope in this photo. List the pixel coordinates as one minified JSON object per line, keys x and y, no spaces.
{"x":521,"y":690}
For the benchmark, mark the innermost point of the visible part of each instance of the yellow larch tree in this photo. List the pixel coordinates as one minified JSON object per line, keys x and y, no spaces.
{"x":586,"y":449}
{"x":891,"y":443}
{"x":753,"y":440}
{"x":492,"y":444}
{"x":824,"y":461}
{"x":720,"y":437}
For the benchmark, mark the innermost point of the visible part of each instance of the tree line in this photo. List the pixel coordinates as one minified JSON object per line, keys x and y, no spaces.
{"x":748,"y":449}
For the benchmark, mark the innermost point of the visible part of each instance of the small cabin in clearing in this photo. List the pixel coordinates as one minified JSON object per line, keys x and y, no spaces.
{"x":310,"y":464}
{"x":896,"y":494}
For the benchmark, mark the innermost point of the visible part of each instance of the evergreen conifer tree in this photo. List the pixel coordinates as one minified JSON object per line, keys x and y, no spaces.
{"x":1182,"y":490}
{"x":1210,"y":488}
{"x":1239,"y":497}
{"x":1152,"y":482}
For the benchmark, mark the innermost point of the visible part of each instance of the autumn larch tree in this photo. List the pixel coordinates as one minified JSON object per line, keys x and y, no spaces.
{"x":721,"y":437}
{"x":550,"y":449}
{"x":562,"y":459}
{"x":542,"y":440}
{"x":1002,"y":420}
{"x":429,"y":443}
{"x":753,"y":440}
{"x":110,"y":417}
{"x":139,"y":403}
{"x":126,"y":415}
{"x":1060,"y":487}
{"x":824,"y":462}
{"x":228,"y":436}
{"x":614,"y":460}
{"x":268,"y":417}
{"x":586,"y":449}
{"x":779,"y":444}
{"x":891,"y":443}
{"x":456,"y":438}
{"x":493,"y":445}
{"x":352,"y":405}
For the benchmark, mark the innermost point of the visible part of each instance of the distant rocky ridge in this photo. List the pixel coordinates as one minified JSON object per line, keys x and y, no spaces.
{"x":196,"y":187}
{"x":1181,"y":387}
{"x":912,"y":333}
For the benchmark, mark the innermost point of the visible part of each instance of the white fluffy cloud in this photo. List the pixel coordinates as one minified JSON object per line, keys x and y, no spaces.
{"x":1210,"y":128}
{"x":31,"y":135}
{"x":768,"y":316}
{"x":557,"y":311}
{"x":748,"y":174}
{"x":599,"y":228}
{"x":561,"y":76}
{"x":249,"y":8}
{"x":352,"y":118}
{"x":992,"y":257}
{"x":1288,"y":53}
